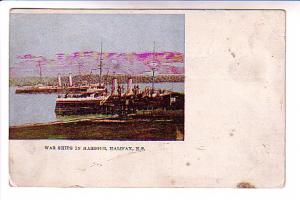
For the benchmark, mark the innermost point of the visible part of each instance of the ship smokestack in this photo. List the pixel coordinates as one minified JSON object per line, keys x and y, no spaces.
{"x":59,"y":80}
{"x":129,"y":86}
{"x":70,"y":80}
{"x":114,"y":86}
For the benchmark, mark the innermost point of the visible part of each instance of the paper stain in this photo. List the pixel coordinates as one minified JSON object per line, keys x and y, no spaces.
{"x":232,"y":132}
{"x":173,"y":182}
{"x":95,"y":164}
{"x":76,"y":186}
{"x":201,"y":148}
{"x":246,"y":70}
{"x":245,"y":185}
{"x":231,"y":53}
{"x":81,"y":169}
{"x":123,"y":155}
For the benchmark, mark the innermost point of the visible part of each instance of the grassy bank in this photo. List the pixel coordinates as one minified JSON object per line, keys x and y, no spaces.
{"x":134,"y":129}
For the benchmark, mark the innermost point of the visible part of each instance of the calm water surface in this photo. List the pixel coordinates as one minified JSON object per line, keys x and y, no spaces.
{"x":39,"y":108}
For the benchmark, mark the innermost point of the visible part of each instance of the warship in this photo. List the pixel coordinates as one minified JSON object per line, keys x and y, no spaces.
{"x":40,"y":88}
{"x":69,"y":87}
{"x":119,"y":100}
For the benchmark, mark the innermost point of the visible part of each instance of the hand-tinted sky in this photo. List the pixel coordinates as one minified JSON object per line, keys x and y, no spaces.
{"x":48,"y":34}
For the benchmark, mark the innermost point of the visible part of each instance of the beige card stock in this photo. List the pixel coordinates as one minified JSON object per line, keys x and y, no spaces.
{"x":227,"y":65}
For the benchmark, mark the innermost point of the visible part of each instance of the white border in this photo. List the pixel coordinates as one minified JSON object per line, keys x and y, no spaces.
{"x":293,"y":110}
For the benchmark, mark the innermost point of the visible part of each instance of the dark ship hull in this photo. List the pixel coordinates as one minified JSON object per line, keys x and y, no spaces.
{"x":121,"y":105}
{"x":51,"y":89}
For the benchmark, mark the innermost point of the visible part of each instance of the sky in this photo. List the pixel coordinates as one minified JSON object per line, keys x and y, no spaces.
{"x":49,"y":34}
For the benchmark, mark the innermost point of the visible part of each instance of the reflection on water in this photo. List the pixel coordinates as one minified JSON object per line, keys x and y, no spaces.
{"x":39,"y":108}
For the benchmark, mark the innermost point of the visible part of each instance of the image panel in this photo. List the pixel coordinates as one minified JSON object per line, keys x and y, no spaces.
{"x":97,"y":76}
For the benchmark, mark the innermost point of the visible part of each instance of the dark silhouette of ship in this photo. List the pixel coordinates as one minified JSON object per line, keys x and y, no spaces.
{"x":118,"y":100}
{"x":52,"y":89}
{"x":59,"y":88}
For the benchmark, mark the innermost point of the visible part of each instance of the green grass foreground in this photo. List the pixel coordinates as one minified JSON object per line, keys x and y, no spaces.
{"x":147,"y":129}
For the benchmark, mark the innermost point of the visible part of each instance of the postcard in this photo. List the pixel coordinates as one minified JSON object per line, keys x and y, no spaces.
{"x":147,"y":98}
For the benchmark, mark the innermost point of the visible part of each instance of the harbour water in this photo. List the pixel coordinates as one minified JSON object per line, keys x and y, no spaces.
{"x":39,"y":108}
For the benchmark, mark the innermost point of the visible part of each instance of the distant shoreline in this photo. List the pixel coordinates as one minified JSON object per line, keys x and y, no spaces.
{"x":78,"y":79}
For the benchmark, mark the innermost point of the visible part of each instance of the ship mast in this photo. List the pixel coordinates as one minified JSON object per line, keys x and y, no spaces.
{"x":100,"y":66}
{"x":40,"y":70}
{"x":79,"y":68}
{"x":153,"y":68}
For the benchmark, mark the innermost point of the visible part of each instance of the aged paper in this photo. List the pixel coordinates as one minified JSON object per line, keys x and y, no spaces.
{"x":214,"y":87}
